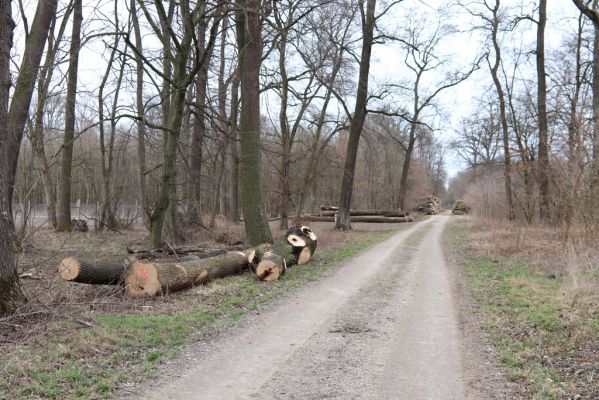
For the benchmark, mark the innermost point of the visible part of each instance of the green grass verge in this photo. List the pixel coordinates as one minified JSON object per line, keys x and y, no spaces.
{"x":529,"y":316}
{"x":73,"y":362}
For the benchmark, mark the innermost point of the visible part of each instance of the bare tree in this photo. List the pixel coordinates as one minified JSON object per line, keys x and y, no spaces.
{"x":421,"y":57}
{"x":249,"y":41}
{"x":66,"y":163}
{"x":179,"y":80}
{"x":543,"y":175}
{"x":359,"y":116}
{"x":12,"y":124}
{"x":140,"y":109}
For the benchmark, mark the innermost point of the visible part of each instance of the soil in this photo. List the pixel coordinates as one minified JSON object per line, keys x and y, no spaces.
{"x":392,"y":323}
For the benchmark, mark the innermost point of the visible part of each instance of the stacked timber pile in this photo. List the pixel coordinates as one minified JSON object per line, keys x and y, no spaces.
{"x":429,"y":205}
{"x":461,"y":208}
{"x":145,"y":275}
{"x":329,"y":214}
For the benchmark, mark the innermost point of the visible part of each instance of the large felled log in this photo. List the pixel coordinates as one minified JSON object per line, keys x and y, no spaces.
{"x":144,"y":278}
{"x":361,"y":218}
{"x":318,"y":218}
{"x":109,"y":272}
{"x":308,"y":236}
{"x":269,"y":264}
{"x":382,"y":213}
{"x":270,"y":261}
{"x":202,"y":251}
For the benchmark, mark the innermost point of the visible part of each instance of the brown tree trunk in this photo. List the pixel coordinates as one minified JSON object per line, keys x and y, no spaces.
{"x":357,"y":122}
{"x":141,"y":124}
{"x":250,"y":49}
{"x":543,"y":176}
{"x":234,"y":197}
{"x":152,"y":278}
{"x":198,"y":134}
{"x":507,"y":162}
{"x":66,"y":162}
{"x":405,"y":169}
{"x":24,"y":85}
{"x":92,"y":272}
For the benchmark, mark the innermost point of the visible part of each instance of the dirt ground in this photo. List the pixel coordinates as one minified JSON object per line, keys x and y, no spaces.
{"x":389,"y":324}
{"x":51,"y":299}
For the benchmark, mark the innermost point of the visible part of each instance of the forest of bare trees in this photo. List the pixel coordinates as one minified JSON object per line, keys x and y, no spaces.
{"x":172,"y":116}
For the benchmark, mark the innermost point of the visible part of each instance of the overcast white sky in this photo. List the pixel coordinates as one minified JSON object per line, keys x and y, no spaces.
{"x":387,"y":61}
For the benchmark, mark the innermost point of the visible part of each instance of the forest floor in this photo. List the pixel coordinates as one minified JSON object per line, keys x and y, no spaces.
{"x":538,"y":298}
{"x":84,"y":341}
{"x":386,"y":325}
{"x":448,"y":307}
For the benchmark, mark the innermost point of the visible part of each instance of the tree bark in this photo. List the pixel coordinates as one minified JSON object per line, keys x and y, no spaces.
{"x":593,"y":14}
{"x":11,"y":296}
{"x":357,"y":122}
{"x":37,"y":131}
{"x":23,"y":91}
{"x":198,"y":134}
{"x":250,"y":50}
{"x":153,"y":278}
{"x":92,"y":272}
{"x":494,"y":68}
{"x":66,"y":162}
{"x":234,"y":198}
{"x":141,"y":124}
{"x":544,"y":212}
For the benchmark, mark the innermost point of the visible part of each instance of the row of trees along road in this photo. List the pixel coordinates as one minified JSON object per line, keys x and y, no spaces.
{"x":158,"y":104}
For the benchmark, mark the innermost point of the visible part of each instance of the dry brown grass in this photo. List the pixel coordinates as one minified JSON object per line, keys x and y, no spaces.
{"x":576,"y":262}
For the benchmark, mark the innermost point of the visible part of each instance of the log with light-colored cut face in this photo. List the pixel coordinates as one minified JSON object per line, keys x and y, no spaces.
{"x":153,"y":278}
{"x":107,"y":272}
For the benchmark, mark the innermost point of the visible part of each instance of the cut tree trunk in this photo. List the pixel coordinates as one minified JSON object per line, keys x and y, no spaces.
{"x":93,"y":272}
{"x":270,"y":261}
{"x":152,"y":278}
{"x":360,"y":218}
{"x":382,"y":213}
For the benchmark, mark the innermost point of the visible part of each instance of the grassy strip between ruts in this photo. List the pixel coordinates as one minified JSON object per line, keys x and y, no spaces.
{"x":545,"y":333}
{"x":71,"y":361}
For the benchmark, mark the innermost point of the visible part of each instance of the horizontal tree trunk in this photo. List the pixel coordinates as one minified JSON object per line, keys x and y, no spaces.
{"x":107,"y":272}
{"x":360,"y":218}
{"x":145,"y":278}
{"x":200,"y":251}
{"x":382,"y":213}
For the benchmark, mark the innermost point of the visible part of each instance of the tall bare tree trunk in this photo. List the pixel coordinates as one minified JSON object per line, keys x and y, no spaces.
{"x":234,"y":160}
{"x":494,"y":68}
{"x":141,"y":124}
{"x":542,"y":114}
{"x":590,"y":10}
{"x":11,"y":296}
{"x":199,"y":132}
{"x":357,"y":121}
{"x":37,"y":132}
{"x":405,"y":169}
{"x":66,"y":162}
{"x":250,"y":58}
{"x":23,"y":91}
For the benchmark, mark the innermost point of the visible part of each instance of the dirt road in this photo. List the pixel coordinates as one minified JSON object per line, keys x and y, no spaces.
{"x":384,"y":326}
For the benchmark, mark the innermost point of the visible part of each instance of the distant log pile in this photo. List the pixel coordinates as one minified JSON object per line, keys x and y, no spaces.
{"x":150,"y":272}
{"x":329,"y":214}
{"x":461,"y":208}
{"x":429,"y":205}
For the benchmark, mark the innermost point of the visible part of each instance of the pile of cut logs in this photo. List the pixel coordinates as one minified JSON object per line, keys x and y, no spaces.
{"x":429,"y":205}
{"x":460,"y":208}
{"x":149,"y":273}
{"x":329,"y":214}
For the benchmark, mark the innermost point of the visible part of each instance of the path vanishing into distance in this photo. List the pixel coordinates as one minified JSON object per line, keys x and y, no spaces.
{"x":385,"y":325}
